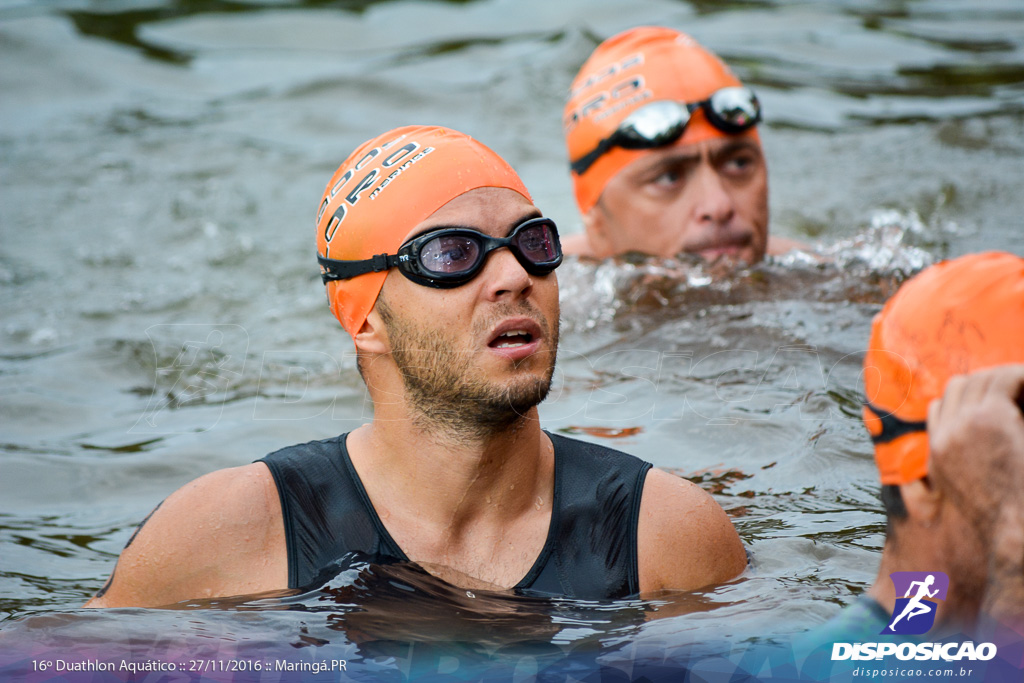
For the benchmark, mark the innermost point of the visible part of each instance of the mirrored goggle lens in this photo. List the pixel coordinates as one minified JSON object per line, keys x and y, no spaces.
{"x":735,"y":107}
{"x":537,"y":243}
{"x":654,"y":125}
{"x":450,"y":254}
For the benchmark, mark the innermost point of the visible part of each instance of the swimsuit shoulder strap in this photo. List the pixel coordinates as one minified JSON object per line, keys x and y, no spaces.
{"x":327,"y":514}
{"x":592,"y":545}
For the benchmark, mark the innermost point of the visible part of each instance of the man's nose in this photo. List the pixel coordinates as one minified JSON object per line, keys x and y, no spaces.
{"x":713,"y":203}
{"x":506,"y":277}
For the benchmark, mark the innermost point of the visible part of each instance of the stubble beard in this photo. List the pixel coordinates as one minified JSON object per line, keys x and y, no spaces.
{"x":446,"y":397}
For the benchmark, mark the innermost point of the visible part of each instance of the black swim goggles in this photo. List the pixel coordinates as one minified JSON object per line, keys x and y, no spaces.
{"x":449,"y":257}
{"x":892,"y":426}
{"x":660,"y":123}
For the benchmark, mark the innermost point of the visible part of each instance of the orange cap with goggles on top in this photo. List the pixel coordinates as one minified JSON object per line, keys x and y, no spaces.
{"x":626,"y":72}
{"x":955,"y":317}
{"x":384,"y":189}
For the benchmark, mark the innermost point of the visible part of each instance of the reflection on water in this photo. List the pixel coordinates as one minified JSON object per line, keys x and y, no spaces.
{"x":366,"y":601}
{"x":162,"y":317}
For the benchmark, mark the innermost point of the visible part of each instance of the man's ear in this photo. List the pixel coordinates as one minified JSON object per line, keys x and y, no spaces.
{"x":595,"y":225}
{"x":593,"y":220}
{"x":922,"y":500}
{"x":372,"y":337}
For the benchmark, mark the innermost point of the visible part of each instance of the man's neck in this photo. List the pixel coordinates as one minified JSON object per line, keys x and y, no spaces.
{"x":450,"y":480}
{"x":479,"y":509}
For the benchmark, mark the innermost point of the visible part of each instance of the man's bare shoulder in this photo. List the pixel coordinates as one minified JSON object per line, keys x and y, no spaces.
{"x":219,"y":535}
{"x":686,"y":541}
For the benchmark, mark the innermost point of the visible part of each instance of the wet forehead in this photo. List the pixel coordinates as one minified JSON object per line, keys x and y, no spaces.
{"x":691,"y":153}
{"x":491,"y":210}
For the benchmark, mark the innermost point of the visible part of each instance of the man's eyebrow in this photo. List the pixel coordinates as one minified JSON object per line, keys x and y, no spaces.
{"x":530,"y":215}
{"x":668,"y":161}
{"x":734,"y":146}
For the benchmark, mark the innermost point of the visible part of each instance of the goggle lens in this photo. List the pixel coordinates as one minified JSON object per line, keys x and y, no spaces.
{"x":538,"y":243}
{"x":655,"y":125}
{"x":450,"y":254}
{"x":735,"y":107}
{"x":449,"y":257}
{"x":660,"y":123}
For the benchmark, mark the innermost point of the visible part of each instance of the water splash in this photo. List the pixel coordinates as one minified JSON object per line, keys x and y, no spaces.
{"x":866,"y":267}
{"x":596,"y":292}
{"x":885,"y":246}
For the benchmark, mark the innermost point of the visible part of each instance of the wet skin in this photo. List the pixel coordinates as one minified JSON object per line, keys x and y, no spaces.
{"x":708,"y":198}
{"x":490,"y":340}
{"x":472,"y":503}
{"x":463,"y":486}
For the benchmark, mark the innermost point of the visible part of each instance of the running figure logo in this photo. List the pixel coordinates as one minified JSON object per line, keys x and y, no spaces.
{"x":915,"y":611}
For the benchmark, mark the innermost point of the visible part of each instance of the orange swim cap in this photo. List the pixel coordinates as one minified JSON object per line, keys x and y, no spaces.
{"x":953,"y":318}
{"x":384,"y":189}
{"x":624,"y":73}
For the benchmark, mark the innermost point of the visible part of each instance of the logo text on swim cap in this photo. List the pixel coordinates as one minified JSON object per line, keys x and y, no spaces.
{"x":393,"y":159}
{"x":607,"y":72}
{"x":600,"y":100}
{"x":914,"y":613}
{"x":397,"y":172}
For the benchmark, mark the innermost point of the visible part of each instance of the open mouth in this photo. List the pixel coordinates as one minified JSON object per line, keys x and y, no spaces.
{"x":511,"y":339}
{"x":516,"y":338}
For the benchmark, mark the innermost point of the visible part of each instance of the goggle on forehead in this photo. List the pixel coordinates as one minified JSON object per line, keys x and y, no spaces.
{"x":449,"y":257}
{"x":660,"y":123}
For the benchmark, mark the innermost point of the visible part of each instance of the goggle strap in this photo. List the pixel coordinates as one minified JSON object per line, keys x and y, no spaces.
{"x":581,"y":165}
{"x":892,"y":426}
{"x":336,"y":269}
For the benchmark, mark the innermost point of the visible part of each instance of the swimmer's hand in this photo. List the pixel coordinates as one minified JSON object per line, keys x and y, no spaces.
{"x":976,"y":439}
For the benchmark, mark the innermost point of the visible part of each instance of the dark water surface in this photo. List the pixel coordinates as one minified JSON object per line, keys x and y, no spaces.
{"x":162,"y":315}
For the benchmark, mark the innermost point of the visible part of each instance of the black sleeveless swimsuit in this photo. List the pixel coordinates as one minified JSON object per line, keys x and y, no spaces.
{"x":591,"y":548}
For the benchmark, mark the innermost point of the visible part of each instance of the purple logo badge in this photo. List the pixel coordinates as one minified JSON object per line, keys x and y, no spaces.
{"x":915,"y":610}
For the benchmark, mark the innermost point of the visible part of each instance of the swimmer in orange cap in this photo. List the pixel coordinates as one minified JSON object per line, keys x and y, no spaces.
{"x":944,"y":387}
{"x":664,"y":153}
{"x":440,"y":267}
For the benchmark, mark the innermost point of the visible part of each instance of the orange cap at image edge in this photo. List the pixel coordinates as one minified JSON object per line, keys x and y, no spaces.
{"x":953,"y":318}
